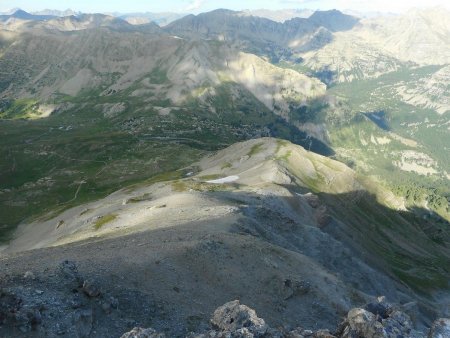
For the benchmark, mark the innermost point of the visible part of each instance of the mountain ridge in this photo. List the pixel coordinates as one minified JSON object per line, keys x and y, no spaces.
{"x":311,"y":210}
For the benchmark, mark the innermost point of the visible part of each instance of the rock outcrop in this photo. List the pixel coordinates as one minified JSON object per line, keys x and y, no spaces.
{"x":70,"y":304}
{"x":378,"y":319}
{"x":234,"y":316}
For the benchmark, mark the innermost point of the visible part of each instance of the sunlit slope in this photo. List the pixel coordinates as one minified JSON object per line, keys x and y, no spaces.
{"x":49,"y":66}
{"x":84,"y":109}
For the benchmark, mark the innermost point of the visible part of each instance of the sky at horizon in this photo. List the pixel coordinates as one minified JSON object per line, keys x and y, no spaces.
{"x":197,"y":6}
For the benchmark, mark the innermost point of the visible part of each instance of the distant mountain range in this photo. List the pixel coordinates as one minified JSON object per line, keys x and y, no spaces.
{"x":161,"y":19}
{"x":20,"y":14}
{"x":281,"y":15}
{"x":54,"y":12}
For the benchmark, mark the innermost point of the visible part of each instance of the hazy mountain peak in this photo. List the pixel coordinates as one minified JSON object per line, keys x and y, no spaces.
{"x":281,"y":15}
{"x":334,"y":20}
{"x":161,"y":19}
{"x":224,"y":11}
{"x":23,"y":15}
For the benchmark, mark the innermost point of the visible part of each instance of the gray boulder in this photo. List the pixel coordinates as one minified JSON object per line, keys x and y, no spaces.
{"x":362,"y":323}
{"x":377,"y":320}
{"x":233,"y":316}
{"x":91,"y":289}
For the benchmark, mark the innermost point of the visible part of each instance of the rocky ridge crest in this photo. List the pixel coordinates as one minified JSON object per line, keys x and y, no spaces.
{"x":378,"y":319}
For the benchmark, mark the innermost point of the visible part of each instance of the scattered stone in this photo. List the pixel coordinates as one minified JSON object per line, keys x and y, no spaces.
{"x":60,"y":329}
{"x":380,"y":308}
{"x":26,"y":319}
{"x":291,"y":288}
{"x":322,"y":217}
{"x":35,"y":318}
{"x":397,"y":324}
{"x":114,"y":302}
{"x":22,"y":321}
{"x":70,"y":271}
{"x":29,"y":275}
{"x":106,"y":307}
{"x":90,"y":289}
{"x":76,"y":302}
{"x":139,"y":332}
{"x":300,"y":333}
{"x":109,"y":304}
{"x":60,"y":222}
{"x":440,"y":328}
{"x":313,"y":200}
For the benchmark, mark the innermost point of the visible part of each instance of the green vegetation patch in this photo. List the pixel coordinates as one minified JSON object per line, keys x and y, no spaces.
{"x":256,"y":149}
{"x":158,"y":76}
{"x":226,"y":165}
{"x":182,"y":186}
{"x":162,"y":177}
{"x":280,"y":144}
{"x":104,"y":220}
{"x":285,"y":156}
{"x":142,"y":198}
{"x":179,"y":186}
{"x":20,"y":109}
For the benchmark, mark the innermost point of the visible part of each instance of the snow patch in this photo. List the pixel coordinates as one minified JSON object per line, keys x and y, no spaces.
{"x":227,"y":179}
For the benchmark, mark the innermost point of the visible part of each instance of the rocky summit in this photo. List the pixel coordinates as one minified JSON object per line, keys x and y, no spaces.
{"x":376,"y":320}
{"x":67,"y":304}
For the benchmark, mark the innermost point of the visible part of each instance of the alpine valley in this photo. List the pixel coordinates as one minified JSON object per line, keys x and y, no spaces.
{"x":155,"y":166}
